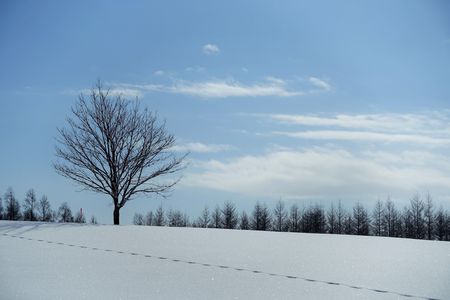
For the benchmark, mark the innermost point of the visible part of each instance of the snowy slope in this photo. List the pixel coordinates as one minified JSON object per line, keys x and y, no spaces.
{"x":71,"y":261}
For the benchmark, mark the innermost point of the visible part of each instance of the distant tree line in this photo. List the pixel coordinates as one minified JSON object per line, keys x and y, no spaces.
{"x":420,"y":219}
{"x":34,"y":209}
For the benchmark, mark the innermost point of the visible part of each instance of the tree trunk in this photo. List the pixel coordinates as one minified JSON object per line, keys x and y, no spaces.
{"x":116,"y":215}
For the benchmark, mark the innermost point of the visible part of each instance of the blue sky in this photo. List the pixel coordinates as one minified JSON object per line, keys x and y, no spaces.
{"x":300,"y":101}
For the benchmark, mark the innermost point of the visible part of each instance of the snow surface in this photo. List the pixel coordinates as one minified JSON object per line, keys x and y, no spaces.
{"x":72,"y":261}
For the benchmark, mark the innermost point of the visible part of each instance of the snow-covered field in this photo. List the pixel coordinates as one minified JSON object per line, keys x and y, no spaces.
{"x":71,"y":261}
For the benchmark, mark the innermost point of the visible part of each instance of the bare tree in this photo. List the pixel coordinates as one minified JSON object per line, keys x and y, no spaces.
{"x":244,"y":223}
{"x":418,"y":221}
{"x":377,"y":218}
{"x":111,"y":146}
{"x":138,"y":219}
{"x":280,"y":217}
{"x":175,"y":218}
{"x":387,"y":222}
{"x":65,"y":213}
{"x":44,"y":210}
{"x":429,"y":217}
{"x":314,"y":219}
{"x":93,"y":220}
{"x":79,"y":217}
{"x":185,"y":220}
{"x":391,"y":220}
{"x":229,"y":216}
{"x":294,"y":218}
{"x":442,"y":224}
{"x":12,"y":206}
{"x":331,"y":219}
{"x":204,"y":219}
{"x":149,"y":218}
{"x":261,"y":218}
{"x":160,"y":219}
{"x":408,"y":223}
{"x":216,"y":217}
{"x":30,"y":206}
{"x":340,"y":215}
{"x":361,"y":220}
{"x":347,"y":224}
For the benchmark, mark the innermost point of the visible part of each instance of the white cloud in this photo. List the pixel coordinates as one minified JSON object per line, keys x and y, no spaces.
{"x":327,"y":173}
{"x":196,"y":69}
{"x":126,"y":92}
{"x":427,"y":129}
{"x":210,"y":49}
{"x":219,"y":88}
{"x":202,"y":148}
{"x":143,"y":88}
{"x":320,"y":83}
{"x":276,"y":80}
{"x":225,"y":89}
{"x":159,"y":73}
{"x":409,"y":158}
{"x":365,"y":136}
{"x":387,"y":122}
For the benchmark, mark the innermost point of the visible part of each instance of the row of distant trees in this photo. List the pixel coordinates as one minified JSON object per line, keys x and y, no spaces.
{"x":419,"y":220}
{"x":34,"y":209}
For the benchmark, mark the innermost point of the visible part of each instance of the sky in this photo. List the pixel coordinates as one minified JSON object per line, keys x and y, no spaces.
{"x":299,"y":101}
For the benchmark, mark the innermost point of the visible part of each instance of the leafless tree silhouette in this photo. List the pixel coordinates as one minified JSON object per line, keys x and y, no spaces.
{"x":112,"y":146}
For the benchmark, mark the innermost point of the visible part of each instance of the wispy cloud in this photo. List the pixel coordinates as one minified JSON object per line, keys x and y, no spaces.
{"x":202,"y":148}
{"x":320,"y":83}
{"x":270,"y":86}
{"x":126,"y":92}
{"x":159,"y":73}
{"x":225,"y":89}
{"x":142,"y":88}
{"x":427,"y":129}
{"x":210,"y":49}
{"x":388,"y":122}
{"x":123,"y":91}
{"x":365,"y":136}
{"x":327,"y":173}
{"x":195,"y":69}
